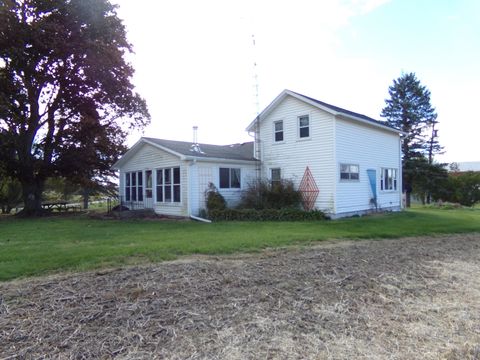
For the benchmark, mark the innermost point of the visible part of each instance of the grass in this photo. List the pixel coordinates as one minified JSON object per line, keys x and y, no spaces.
{"x":31,"y":247}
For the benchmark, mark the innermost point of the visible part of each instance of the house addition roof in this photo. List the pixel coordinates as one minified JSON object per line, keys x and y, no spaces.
{"x":188,"y":151}
{"x":332,"y":109}
{"x":241,"y":151}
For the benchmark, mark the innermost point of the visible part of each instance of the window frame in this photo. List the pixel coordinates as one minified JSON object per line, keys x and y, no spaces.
{"x":133,"y":188}
{"x":273,"y":179}
{"x":275,"y":131}
{"x":168,"y":185}
{"x":300,"y":127}
{"x":231,"y":173}
{"x":349,"y":172}
{"x":389,"y":179}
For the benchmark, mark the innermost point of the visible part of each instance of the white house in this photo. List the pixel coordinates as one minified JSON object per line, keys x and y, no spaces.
{"x":344,"y":163}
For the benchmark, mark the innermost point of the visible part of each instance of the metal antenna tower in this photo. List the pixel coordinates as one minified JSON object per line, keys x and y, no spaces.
{"x":257,"y":142}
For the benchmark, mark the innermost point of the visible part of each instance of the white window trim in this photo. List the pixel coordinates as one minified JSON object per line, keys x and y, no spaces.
{"x":274,"y":132}
{"x":230,"y":168}
{"x":348,"y":180}
{"x":136,"y":186}
{"x":395,"y":180}
{"x":162,"y":202}
{"x":275,"y":168}
{"x":309,"y":127}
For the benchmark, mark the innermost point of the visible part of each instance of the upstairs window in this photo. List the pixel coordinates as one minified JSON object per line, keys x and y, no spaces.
{"x":349,"y":172}
{"x":278,"y":130}
{"x":303,"y":126}
{"x":388,"y":181}
{"x":230,"y":178}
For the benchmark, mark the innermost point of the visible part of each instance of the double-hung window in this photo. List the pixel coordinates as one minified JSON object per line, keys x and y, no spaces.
{"x":168,"y":185}
{"x":134,"y":186}
{"x":276,"y":177}
{"x":303,"y":126}
{"x":278,"y":130}
{"x":349,"y":172}
{"x":388,"y":180}
{"x":230,"y":178}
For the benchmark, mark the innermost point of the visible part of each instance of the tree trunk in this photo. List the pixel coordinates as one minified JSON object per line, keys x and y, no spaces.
{"x":86,"y":195}
{"x":407,"y":199}
{"x":32,"y":198}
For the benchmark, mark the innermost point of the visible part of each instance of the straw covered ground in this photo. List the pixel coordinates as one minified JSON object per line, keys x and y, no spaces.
{"x":411,"y":298}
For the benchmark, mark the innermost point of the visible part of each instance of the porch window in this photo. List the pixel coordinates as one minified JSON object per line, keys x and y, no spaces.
{"x":134,"y":186}
{"x":388,"y":180}
{"x":230,"y":178}
{"x":148,"y":184}
{"x":168,"y":185}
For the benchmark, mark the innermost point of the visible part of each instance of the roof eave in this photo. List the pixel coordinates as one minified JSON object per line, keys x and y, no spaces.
{"x":220,"y":160}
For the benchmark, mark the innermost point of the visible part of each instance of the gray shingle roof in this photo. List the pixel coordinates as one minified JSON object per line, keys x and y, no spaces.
{"x":346,"y":112}
{"x":242,"y":151}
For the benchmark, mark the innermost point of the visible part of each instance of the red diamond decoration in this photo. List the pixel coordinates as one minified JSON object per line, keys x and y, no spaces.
{"x":309,"y":190}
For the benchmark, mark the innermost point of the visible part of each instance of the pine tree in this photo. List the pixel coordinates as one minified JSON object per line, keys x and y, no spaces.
{"x":409,"y":109}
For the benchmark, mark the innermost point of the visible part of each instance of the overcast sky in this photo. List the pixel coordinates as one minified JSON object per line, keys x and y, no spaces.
{"x":194,"y":61}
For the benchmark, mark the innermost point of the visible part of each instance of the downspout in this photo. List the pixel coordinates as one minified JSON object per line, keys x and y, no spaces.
{"x":192,"y":163}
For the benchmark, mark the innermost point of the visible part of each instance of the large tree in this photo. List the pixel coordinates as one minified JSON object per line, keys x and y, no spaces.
{"x":65,"y":90}
{"x":409,"y":109}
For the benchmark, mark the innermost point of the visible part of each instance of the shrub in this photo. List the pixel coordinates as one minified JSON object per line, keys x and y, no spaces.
{"x":266,"y":215}
{"x":214,"y":200}
{"x":262,"y":194}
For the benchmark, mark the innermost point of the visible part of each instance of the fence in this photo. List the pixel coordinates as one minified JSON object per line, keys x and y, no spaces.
{"x":120,"y":204}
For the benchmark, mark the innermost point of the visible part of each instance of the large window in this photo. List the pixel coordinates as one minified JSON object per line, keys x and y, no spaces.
{"x":230,"y":178}
{"x":168,"y":185}
{"x":134,"y":186}
{"x":304,"y":126}
{"x":388,"y":180}
{"x":278,"y":130}
{"x":349,"y":172}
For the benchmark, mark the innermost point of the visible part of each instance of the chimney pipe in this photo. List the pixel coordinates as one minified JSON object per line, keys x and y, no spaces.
{"x":195,"y":138}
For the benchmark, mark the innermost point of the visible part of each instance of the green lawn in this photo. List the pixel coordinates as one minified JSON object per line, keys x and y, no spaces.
{"x":31,"y":247}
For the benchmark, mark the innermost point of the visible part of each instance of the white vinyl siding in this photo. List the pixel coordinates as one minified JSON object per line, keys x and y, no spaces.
{"x":294,"y":155}
{"x":369,"y":148}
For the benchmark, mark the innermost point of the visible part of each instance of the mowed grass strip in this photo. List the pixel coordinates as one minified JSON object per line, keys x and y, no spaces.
{"x":30,"y":247}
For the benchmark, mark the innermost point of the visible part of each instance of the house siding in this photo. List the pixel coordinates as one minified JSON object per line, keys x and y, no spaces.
{"x":370,"y":148}
{"x":149,"y":157}
{"x":209,"y":172}
{"x":293,"y":155}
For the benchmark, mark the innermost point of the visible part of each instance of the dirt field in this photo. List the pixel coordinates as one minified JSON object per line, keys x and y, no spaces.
{"x":416,"y":298}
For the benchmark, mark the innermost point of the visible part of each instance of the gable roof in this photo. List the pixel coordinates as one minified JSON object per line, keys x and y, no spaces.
{"x":186,"y":150}
{"x":332,"y":109}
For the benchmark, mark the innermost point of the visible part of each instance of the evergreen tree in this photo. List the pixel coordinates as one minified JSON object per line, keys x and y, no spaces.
{"x":409,"y":110}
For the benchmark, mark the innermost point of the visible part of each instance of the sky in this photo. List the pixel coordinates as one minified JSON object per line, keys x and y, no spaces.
{"x":199,"y":63}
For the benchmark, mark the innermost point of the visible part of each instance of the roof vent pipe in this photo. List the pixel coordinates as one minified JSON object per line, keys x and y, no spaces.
{"x":195,"y":147}
{"x":195,"y":135}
